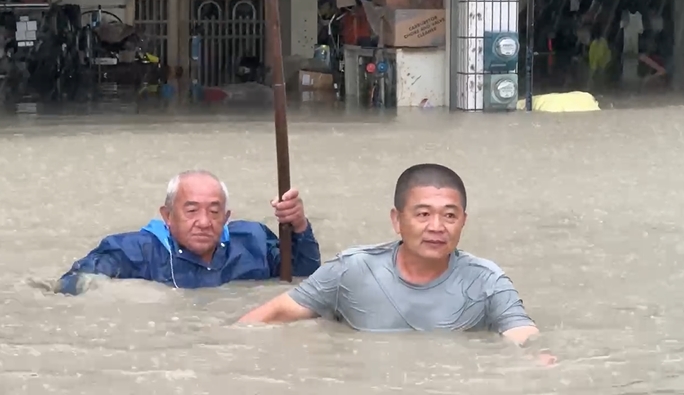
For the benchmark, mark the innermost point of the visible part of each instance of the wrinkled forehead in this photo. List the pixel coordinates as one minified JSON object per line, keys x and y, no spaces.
{"x":430,"y":196}
{"x":199,"y":189}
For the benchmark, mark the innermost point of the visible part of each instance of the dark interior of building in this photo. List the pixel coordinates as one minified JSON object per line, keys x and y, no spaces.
{"x":600,"y":46}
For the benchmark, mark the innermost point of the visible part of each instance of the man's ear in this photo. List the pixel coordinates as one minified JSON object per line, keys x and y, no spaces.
{"x":227,"y":216}
{"x":165,"y":214}
{"x":394,"y":216}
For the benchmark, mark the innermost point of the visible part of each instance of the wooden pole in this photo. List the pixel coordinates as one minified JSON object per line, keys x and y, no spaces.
{"x":282,"y":145}
{"x":529,"y":59}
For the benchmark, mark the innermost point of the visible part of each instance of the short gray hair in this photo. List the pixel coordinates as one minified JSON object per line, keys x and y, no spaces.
{"x":174,"y":184}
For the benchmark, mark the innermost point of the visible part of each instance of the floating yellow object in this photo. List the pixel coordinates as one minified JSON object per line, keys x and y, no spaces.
{"x":148,"y":57}
{"x":562,"y":102}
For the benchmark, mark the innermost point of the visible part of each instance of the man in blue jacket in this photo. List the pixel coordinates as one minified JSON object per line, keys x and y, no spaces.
{"x":195,"y":246}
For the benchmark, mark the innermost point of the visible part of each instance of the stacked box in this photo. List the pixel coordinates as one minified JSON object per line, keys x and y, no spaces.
{"x":408,"y":23}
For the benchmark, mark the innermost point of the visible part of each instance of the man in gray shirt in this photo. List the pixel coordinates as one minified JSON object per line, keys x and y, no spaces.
{"x":422,"y":282}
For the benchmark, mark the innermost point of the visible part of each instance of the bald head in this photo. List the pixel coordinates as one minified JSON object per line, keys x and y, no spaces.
{"x":194,"y":179}
{"x":427,"y":175}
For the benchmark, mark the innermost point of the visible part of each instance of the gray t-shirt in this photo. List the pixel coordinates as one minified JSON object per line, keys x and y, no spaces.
{"x":363,"y":288}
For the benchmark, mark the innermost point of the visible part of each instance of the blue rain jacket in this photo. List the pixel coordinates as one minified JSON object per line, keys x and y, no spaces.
{"x":247,"y":251}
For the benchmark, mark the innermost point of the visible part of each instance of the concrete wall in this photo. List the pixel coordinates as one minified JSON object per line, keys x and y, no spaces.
{"x":299,"y":26}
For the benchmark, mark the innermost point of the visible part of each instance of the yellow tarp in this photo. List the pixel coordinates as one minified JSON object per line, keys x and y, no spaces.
{"x":562,"y":102}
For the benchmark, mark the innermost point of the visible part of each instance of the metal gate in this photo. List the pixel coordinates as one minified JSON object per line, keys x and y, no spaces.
{"x":152,"y":18}
{"x":231,"y":30}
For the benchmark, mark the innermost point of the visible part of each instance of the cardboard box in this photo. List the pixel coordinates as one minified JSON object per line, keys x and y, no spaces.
{"x":315,"y":81}
{"x":411,"y":4}
{"x":414,"y":28}
{"x":317,"y":97}
{"x":345,"y":3}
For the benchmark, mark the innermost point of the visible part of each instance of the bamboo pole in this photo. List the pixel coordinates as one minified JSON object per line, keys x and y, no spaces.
{"x":282,"y":145}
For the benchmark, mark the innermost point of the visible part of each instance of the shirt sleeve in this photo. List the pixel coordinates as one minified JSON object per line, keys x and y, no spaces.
{"x":318,"y":292}
{"x":306,"y":255}
{"x":111,"y":258}
{"x":505,"y":308}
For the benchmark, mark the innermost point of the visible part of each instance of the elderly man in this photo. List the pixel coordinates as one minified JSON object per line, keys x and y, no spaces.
{"x":195,"y":246}
{"x":422,"y":282}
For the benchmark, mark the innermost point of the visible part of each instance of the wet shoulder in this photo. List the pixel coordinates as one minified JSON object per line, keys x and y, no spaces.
{"x":360,"y":257}
{"x":246,"y":227}
{"x":250,"y":234}
{"x":369,"y":250}
{"x":468,"y":261}
{"x":474,"y":276}
{"x":138,"y":246}
{"x":129,"y":239}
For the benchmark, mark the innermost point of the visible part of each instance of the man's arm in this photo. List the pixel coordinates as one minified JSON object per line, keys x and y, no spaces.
{"x":306,"y":255}
{"x":108,"y":259}
{"x":506,"y":314}
{"x":315,"y":296}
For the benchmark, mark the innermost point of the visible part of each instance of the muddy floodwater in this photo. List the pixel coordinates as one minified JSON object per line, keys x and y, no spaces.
{"x":584,"y":212}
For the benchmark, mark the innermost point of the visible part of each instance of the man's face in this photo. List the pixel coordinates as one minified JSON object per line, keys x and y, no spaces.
{"x":198,"y":214}
{"x":431,"y":222}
